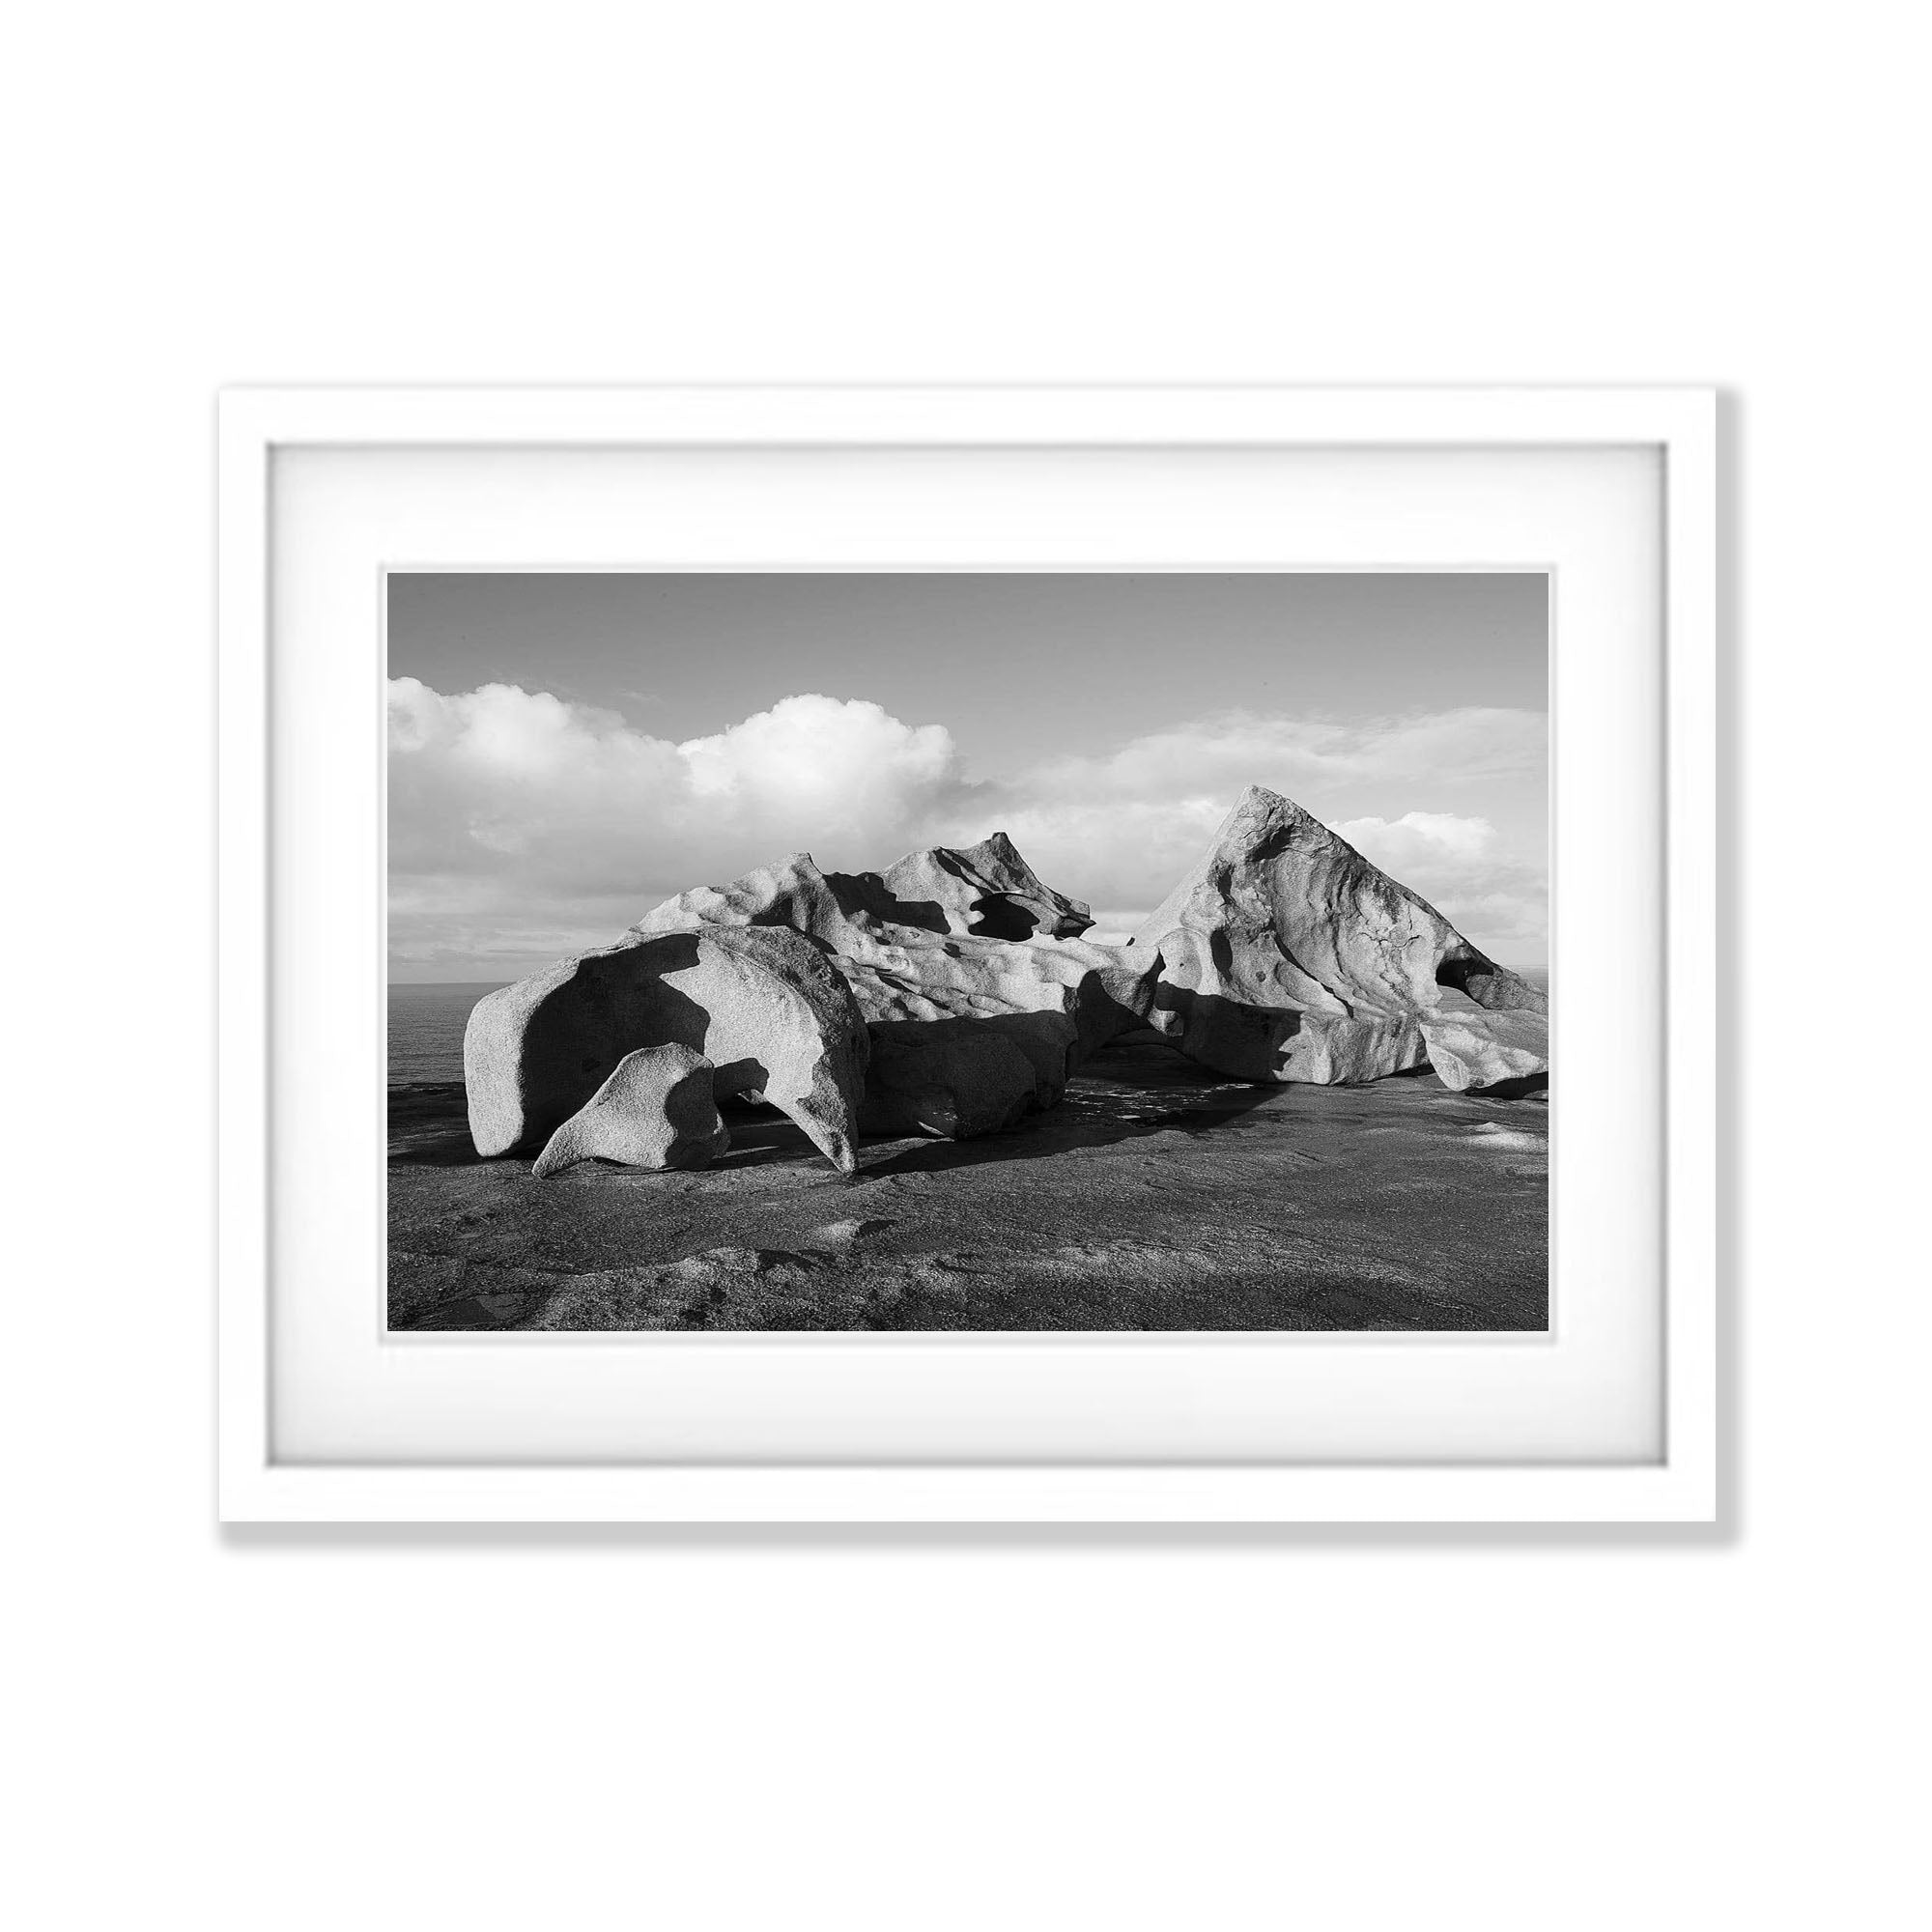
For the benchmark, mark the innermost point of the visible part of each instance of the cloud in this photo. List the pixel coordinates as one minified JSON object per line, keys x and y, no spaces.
{"x":523,"y":825}
{"x":1458,"y":864}
{"x":1226,"y":750}
{"x":1418,"y":837}
{"x":1125,"y":825}
{"x":522,"y":786}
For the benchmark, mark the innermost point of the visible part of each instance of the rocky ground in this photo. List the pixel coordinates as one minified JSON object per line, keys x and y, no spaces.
{"x":1155,"y":1197}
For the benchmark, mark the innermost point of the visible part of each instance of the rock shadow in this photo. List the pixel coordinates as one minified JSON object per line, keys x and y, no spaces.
{"x":1089,"y":1115}
{"x":428,"y":1122}
{"x":997,"y":917}
{"x":1525,"y":1088}
{"x":866,"y":895}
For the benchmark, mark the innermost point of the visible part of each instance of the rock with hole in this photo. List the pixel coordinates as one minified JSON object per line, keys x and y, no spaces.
{"x":1285,"y":955}
{"x":763,"y":1005}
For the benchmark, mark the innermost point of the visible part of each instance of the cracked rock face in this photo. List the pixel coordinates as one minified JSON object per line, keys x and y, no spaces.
{"x":1285,"y":955}
{"x":658,"y":1110}
{"x":763,"y":1005}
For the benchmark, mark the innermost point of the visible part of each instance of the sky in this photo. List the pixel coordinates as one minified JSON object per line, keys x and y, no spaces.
{"x":567,"y":750}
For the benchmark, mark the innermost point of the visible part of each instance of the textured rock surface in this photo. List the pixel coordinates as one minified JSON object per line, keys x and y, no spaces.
{"x":901,"y":970}
{"x":1155,"y":1197}
{"x":658,"y":1110}
{"x":1286,"y":956}
{"x":988,"y":889}
{"x":1471,"y":1051}
{"x":764,"y":1005}
{"x":1256,"y":1042}
{"x":958,"y":1078}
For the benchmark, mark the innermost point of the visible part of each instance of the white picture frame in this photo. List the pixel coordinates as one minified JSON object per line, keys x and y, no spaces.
{"x":876,"y":434}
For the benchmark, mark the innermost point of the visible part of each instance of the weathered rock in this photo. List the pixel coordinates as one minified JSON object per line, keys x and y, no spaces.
{"x":1286,"y":956}
{"x":1254,"y":1042}
{"x":950,"y":1078}
{"x":1472,"y":1050}
{"x":901,"y":970}
{"x":1050,"y":1041}
{"x":842,"y":910}
{"x":764,"y":1005}
{"x":658,"y":1110}
{"x":988,"y":889}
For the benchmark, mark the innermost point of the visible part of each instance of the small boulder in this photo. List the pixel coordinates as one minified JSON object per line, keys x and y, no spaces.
{"x":950,"y":1078}
{"x":1473,"y":1050}
{"x":1051,"y":1041}
{"x":658,"y":1110}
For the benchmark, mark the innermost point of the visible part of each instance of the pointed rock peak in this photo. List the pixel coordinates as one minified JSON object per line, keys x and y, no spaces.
{"x":989,"y":889}
{"x":1263,"y":825}
{"x":1259,"y":810}
{"x":1282,"y":913}
{"x":996,"y":848}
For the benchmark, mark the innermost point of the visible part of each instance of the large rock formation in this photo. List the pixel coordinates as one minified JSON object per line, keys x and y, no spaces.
{"x":962,"y":981}
{"x":1286,"y":956}
{"x":978,"y":993}
{"x":944,"y":944}
{"x":764,"y":1005}
{"x":658,"y":1110}
{"x":901,"y":969}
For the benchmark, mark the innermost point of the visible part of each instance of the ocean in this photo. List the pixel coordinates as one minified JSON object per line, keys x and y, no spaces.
{"x":426,"y":1026}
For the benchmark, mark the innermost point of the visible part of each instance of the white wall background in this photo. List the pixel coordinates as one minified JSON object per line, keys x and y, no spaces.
{"x":588,"y":1731}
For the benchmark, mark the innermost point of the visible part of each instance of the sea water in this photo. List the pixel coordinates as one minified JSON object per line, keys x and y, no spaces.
{"x":426,"y":1028}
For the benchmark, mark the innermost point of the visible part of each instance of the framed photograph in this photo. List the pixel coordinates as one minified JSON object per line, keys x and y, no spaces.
{"x":968,"y":955}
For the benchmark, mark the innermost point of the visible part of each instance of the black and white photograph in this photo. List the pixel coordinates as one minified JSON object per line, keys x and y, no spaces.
{"x":968,"y":951}
{"x":905,"y":1035}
